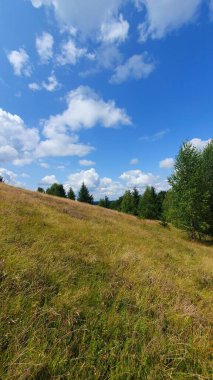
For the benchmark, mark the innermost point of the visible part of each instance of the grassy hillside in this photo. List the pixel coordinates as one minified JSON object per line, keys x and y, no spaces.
{"x":88,"y":294}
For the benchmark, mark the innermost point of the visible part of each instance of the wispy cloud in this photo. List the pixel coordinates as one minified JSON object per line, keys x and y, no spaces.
{"x":157,"y":136}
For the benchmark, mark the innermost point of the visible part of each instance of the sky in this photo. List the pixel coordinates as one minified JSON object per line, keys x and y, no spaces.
{"x":102,"y":91}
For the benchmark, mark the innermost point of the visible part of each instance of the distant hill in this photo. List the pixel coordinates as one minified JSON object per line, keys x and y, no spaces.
{"x":88,"y":293}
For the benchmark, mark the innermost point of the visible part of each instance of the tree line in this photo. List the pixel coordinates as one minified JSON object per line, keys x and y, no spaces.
{"x":58,"y":190}
{"x":188,"y":204}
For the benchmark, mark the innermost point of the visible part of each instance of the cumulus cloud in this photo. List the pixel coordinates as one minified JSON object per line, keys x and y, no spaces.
{"x":136,"y":67}
{"x":44,"y":46}
{"x":136,"y":178}
{"x":167,"y":163}
{"x":86,"y":16}
{"x":9,"y":177}
{"x":89,"y":177}
{"x":20,"y":61}
{"x":100,"y":187}
{"x":115,"y":30}
{"x":16,"y":140}
{"x":163,"y":16}
{"x":85,"y":109}
{"x":199,"y":144}
{"x":48,"y":180}
{"x":87,"y":163}
{"x":62,"y":145}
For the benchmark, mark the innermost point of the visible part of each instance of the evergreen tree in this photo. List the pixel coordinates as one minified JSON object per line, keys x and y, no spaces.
{"x":104,"y":202}
{"x":189,"y":193}
{"x":160,"y":199}
{"x":136,"y":200}
{"x":57,"y":190}
{"x":127,"y":204}
{"x":40,"y":190}
{"x":148,"y":207}
{"x":116,"y":205}
{"x":71,"y":194}
{"x":84,"y":195}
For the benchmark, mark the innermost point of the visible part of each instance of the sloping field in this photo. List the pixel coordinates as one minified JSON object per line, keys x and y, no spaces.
{"x":88,"y":294}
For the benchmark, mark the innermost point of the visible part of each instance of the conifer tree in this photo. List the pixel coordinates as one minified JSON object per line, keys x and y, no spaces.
{"x":136,"y":200}
{"x":71,"y":194}
{"x":57,"y":190}
{"x":84,"y":195}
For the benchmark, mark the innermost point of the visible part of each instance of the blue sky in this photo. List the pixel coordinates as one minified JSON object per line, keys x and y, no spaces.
{"x":102,"y":91}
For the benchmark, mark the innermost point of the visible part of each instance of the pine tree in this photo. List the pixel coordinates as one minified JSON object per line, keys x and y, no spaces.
{"x":57,"y":190}
{"x":136,"y":200}
{"x":127,"y":204}
{"x":71,"y":194}
{"x":84,"y":195}
{"x":189,"y":193}
{"x":148,"y":207}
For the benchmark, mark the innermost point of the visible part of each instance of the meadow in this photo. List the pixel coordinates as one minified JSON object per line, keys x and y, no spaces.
{"x":88,"y":293}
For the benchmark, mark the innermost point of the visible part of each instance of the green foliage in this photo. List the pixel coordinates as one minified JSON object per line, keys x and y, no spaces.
{"x":84,"y":195}
{"x":71,"y":194}
{"x":116,"y":205}
{"x":190,"y":194}
{"x":57,"y":190}
{"x":148,"y":205}
{"x":207,"y":172}
{"x":104,"y":202}
{"x":127,"y":204}
{"x":136,"y":200}
{"x":41,"y":190}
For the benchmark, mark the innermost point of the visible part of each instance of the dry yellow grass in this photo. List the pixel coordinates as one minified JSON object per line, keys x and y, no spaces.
{"x":88,"y":293}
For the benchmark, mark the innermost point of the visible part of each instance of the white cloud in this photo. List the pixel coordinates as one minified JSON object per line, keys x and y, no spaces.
{"x":115,"y":30}
{"x":136,"y":67}
{"x":89,"y":177}
{"x":62,"y":145}
{"x":199,"y":144}
{"x":167,"y":163}
{"x":20,"y":61}
{"x":44,"y":46}
{"x":9,"y":177}
{"x":164,"y":16}
{"x":50,"y":85}
{"x":48,"y":180}
{"x":70,"y":53}
{"x":134,"y":161}
{"x":86,"y":163}
{"x":99,"y":187}
{"x":86,"y":16}
{"x":16,"y":140}
{"x":136,"y":178}
{"x":34,"y":86}
{"x":85,"y":109}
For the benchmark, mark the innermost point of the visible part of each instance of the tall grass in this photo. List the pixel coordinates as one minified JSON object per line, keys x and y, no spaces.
{"x":87,"y":293}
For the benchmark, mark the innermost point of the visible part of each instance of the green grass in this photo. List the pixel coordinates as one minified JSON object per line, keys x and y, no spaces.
{"x":87,"y":293}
